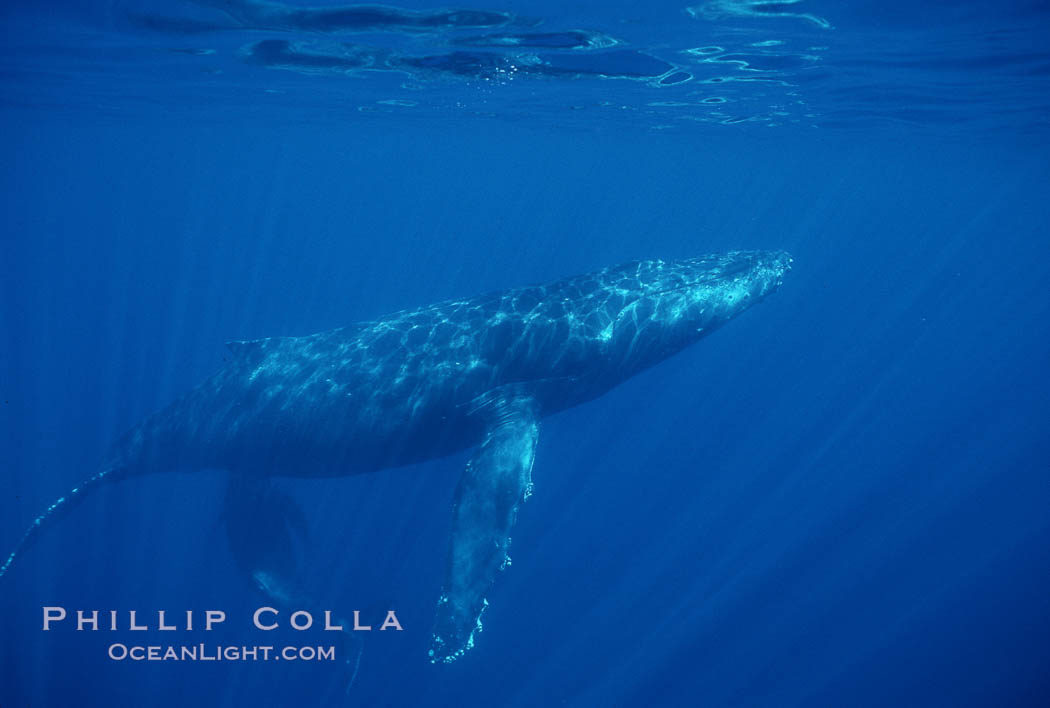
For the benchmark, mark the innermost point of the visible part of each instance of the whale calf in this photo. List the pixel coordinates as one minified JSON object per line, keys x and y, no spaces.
{"x":423,"y":383}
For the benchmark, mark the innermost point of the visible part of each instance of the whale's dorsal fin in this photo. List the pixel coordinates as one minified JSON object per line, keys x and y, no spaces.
{"x":497,"y":480}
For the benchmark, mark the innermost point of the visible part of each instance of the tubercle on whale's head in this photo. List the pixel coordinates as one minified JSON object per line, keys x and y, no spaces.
{"x":715,"y":289}
{"x":722,"y":285}
{"x":675,"y":303}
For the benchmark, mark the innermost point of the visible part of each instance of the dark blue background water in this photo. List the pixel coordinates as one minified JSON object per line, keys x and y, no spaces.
{"x":840,"y":499}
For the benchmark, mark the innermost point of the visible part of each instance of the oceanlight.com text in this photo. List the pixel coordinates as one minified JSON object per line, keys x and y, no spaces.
{"x":205,"y":652}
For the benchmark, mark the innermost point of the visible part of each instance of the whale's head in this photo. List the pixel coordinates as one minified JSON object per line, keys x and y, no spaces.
{"x":663,"y":306}
{"x":720,"y":286}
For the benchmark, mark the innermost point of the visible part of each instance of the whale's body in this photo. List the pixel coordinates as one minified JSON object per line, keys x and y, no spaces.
{"x":428,"y":382}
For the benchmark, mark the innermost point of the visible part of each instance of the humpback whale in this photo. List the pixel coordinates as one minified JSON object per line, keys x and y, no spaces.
{"x":420,"y":384}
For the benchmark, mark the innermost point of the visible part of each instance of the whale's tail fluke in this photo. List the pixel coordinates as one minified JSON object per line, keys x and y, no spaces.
{"x":60,"y":508}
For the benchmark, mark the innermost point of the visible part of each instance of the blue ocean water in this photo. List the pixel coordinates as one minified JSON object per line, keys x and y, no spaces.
{"x":841,"y":499}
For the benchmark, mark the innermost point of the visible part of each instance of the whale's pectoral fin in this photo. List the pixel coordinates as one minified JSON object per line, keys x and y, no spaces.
{"x":494,"y":484}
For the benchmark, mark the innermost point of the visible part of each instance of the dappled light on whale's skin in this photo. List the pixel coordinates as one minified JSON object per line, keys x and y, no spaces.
{"x":421,"y":384}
